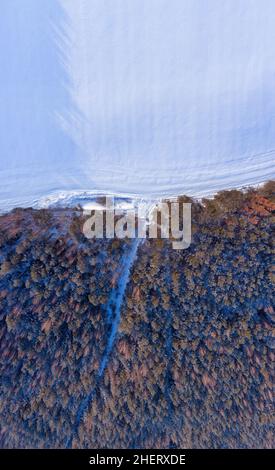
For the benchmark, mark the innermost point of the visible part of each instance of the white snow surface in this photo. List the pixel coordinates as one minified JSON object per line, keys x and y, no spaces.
{"x":143,"y":98}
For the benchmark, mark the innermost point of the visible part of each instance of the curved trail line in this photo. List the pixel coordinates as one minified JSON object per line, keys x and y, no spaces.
{"x":113,"y":317}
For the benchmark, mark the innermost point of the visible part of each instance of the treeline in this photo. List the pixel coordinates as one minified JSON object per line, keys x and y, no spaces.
{"x":192,"y":360}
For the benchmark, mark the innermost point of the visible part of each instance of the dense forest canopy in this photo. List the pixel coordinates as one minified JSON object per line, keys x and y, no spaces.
{"x":191,"y":359}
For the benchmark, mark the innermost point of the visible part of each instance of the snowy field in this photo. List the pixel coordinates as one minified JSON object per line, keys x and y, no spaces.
{"x":134,"y":97}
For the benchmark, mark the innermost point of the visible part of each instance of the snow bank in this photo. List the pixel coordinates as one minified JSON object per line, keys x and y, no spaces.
{"x":134,"y":97}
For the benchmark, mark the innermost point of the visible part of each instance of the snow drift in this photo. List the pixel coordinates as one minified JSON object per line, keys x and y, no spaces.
{"x":134,"y":97}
